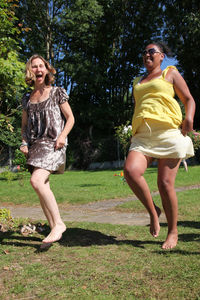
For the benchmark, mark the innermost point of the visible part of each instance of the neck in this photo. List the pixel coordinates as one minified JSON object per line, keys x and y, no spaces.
{"x":154,"y":71}
{"x":40,"y":87}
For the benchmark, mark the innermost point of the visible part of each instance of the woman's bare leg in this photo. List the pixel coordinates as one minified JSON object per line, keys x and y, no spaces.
{"x":40,"y":183}
{"x":135,"y":166}
{"x":45,"y":209}
{"x":167,"y":170}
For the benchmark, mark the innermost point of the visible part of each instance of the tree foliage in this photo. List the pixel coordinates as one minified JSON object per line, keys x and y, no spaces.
{"x":7,"y":29}
{"x":183,"y":34}
{"x":96,"y":46}
{"x":11,"y":74}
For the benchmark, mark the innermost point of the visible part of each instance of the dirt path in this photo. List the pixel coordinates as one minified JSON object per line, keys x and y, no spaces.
{"x":99,"y":212}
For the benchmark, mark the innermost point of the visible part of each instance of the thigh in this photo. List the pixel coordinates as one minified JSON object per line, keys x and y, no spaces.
{"x":137,"y":162}
{"x":167,"y":169}
{"x":40,"y":175}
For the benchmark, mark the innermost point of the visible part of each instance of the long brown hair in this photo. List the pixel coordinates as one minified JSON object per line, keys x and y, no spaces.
{"x":30,"y":76}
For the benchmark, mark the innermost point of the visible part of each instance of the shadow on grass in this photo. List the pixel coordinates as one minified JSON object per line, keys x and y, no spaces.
{"x":72,"y":237}
{"x":190,"y":224}
{"x":193,"y":224}
{"x":15,"y":239}
{"x":176,"y":251}
{"x":84,"y":237}
{"x":187,"y":237}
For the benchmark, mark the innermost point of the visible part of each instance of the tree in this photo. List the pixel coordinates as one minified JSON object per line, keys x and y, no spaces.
{"x":182,"y":31}
{"x":11,"y":75}
{"x":7,"y":29}
{"x":94,"y":46}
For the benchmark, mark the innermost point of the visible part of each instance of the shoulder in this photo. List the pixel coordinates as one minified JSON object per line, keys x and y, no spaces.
{"x":26,"y":94}
{"x":58,"y":89}
{"x":25,"y":99}
{"x":169,"y":70}
{"x":60,"y":94}
{"x":136,"y":80}
{"x":171,"y":73}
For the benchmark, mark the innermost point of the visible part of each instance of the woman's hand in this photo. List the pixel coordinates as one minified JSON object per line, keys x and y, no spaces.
{"x":60,"y":143}
{"x":24,"y":149}
{"x":187,"y":126}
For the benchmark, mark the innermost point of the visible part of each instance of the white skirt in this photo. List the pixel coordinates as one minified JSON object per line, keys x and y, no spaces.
{"x":156,"y":140}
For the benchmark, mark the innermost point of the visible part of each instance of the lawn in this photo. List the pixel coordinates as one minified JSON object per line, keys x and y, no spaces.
{"x":103,"y":261}
{"x":79,"y":187}
{"x":96,"y":261}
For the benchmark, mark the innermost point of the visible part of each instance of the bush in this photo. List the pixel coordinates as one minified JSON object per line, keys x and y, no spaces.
{"x":5,"y":214}
{"x":20,"y":160}
{"x":124,"y":134}
{"x":195,"y":136}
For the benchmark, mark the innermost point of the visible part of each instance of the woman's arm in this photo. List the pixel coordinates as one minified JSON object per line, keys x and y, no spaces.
{"x":67,"y":112}
{"x":24,"y":145}
{"x":183,"y":93}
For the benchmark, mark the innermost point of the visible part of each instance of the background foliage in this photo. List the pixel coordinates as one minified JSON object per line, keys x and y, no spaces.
{"x":95,"y":46}
{"x":11,"y":76}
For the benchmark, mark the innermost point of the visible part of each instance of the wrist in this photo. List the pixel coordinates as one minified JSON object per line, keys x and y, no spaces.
{"x":23,"y":144}
{"x":63,"y":136}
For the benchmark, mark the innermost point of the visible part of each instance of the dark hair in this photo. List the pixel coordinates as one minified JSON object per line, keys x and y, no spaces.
{"x":30,"y":76}
{"x":163,"y":47}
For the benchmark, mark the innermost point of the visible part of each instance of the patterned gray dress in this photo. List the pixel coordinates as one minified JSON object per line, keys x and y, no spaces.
{"x":45,"y":123}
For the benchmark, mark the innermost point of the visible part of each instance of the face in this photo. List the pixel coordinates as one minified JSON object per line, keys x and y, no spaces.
{"x":152,"y":56}
{"x":39,"y":69}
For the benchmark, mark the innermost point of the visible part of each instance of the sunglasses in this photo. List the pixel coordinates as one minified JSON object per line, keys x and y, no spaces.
{"x":150,"y":51}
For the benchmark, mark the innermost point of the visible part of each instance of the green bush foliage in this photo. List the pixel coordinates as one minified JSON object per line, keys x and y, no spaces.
{"x":124,"y":133}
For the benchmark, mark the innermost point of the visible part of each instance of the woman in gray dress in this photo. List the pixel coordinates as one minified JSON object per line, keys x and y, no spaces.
{"x":47,"y":120}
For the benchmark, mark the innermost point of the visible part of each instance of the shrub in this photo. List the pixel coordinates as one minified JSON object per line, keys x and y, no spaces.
{"x":20,"y":160}
{"x":124,"y":133}
{"x":195,"y":136}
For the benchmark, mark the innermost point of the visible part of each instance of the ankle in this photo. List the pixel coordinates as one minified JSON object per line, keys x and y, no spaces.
{"x":59,"y":224}
{"x":153,"y":215}
{"x":173,"y":231}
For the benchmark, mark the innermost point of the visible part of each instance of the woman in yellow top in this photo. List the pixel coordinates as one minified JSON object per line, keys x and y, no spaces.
{"x":159,"y":132}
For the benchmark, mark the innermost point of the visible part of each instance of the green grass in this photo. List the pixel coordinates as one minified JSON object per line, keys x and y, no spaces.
{"x":185,"y":204}
{"x":96,"y":261}
{"x":103,"y":261}
{"x":78,"y":187}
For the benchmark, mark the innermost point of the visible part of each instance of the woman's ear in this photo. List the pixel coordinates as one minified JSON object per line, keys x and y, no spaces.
{"x":162,"y":56}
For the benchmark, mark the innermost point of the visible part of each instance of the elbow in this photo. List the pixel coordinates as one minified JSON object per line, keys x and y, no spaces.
{"x":73,"y":120}
{"x":193,"y":106}
{"x":190,"y":105}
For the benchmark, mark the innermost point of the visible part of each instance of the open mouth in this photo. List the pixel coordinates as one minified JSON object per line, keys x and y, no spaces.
{"x":39,"y":76}
{"x":148,"y":60}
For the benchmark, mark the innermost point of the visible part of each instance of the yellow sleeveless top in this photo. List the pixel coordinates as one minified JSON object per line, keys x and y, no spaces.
{"x":155,"y":100}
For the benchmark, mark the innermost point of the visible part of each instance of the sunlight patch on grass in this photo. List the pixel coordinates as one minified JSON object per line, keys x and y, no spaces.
{"x":79,"y":187}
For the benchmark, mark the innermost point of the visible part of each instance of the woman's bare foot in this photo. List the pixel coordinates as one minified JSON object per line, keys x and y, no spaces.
{"x":171,"y":241}
{"x":154,"y":226}
{"x":55,"y":234}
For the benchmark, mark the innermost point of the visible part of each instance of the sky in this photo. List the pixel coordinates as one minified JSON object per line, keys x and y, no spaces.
{"x":168,"y":62}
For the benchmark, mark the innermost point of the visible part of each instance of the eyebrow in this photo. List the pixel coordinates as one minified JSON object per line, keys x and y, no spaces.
{"x":34,"y":65}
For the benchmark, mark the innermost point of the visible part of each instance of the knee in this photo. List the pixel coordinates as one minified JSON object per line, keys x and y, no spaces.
{"x":127,"y":170}
{"x":131,"y":171}
{"x":165,"y":184}
{"x":35,"y":183}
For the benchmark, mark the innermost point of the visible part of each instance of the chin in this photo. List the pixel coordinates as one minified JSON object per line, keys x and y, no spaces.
{"x":40,"y":81}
